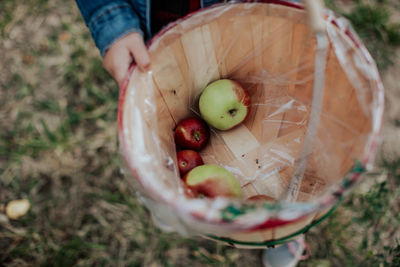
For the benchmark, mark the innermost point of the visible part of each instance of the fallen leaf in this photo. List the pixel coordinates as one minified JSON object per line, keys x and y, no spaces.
{"x":17,"y":208}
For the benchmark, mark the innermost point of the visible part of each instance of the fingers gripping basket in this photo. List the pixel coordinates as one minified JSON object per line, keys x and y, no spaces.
{"x":269,"y":49}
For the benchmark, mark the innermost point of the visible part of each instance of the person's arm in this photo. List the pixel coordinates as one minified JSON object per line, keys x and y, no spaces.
{"x":115,"y":28}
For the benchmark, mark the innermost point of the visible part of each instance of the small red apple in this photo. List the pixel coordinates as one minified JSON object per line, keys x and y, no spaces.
{"x":257,"y":198}
{"x":192,"y":133}
{"x":187,"y":191}
{"x":187,"y":160}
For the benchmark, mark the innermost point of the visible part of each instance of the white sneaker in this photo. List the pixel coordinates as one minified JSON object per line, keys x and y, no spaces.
{"x":287,"y":255}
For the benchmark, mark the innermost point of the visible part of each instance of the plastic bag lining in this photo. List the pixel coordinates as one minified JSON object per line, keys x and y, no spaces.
{"x":272,"y":54}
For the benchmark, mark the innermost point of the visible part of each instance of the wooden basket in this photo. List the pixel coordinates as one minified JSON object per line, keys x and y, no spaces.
{"x":270,"y":50}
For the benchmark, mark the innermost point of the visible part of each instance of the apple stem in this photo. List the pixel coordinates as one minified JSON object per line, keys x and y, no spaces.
{"x":232,"y":112}
{"x":196,"y":135}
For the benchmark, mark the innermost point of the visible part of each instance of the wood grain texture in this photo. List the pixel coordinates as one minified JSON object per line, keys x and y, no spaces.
{"x":270,"y":50}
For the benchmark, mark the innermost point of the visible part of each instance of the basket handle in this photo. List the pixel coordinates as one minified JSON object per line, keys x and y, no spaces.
{"x":317,"y":23}
{"x":315,"y":11}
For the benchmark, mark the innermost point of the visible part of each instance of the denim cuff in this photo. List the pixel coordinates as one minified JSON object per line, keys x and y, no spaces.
{"x":111,"y":23}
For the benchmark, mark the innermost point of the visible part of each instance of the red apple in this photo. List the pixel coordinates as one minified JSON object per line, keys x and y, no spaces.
{"x":187,"y":191}
{"x":224,"y":104}
{"x":212,"y":181}
{"x":258,"y":198}
{"x":192,"y":133}
{"x":187,"y":160}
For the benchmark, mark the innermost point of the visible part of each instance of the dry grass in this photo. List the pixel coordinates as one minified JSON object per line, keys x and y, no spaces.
{"x":59,"y":149}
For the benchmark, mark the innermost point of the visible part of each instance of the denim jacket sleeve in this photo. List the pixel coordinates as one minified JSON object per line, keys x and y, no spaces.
{"x":109,"y":20}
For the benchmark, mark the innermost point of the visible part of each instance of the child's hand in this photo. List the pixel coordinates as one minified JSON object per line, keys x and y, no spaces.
{"x":119,"y":56}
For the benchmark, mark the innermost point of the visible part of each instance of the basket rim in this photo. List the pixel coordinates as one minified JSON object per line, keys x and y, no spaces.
{"x":329,"y":199}
{"x":282,"y":240}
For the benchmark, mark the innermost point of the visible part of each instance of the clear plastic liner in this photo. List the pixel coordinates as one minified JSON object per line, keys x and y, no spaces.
{"x":269,"y":49}
{"x":315,"y":117}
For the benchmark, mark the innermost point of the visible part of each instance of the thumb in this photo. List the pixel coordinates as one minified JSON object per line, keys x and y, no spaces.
{"x":116,"y":61}
{"x":139,"y":51}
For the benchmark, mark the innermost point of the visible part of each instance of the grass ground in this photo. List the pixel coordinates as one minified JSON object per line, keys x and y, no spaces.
{"x":59,"y":149}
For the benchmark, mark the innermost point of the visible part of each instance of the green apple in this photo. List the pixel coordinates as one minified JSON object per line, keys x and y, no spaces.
{"x":212,"y":181}
{"x":224,"y":104}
